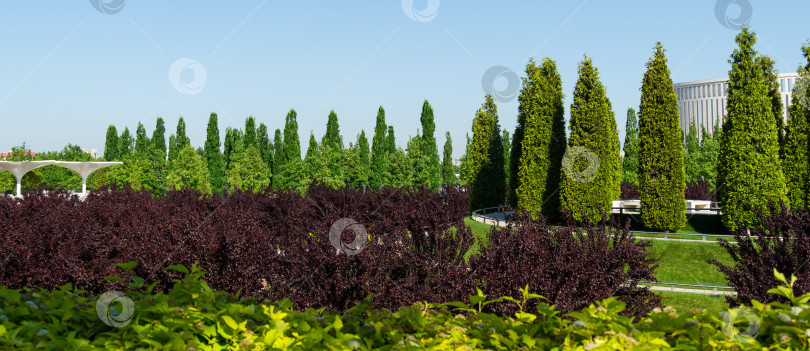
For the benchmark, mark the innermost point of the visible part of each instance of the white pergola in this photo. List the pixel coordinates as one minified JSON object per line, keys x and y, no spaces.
{"x":84,"y":169}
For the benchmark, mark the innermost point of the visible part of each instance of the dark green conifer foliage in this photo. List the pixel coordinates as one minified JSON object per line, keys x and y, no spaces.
{"x":660,"y":165}
{"x":448,"y":174}
{"x":749,"y":170}
{"x":213,"y":155}
{"x":250,"y":132}
{"x":141,"y":142}
{"x":125,"y":144}
{"x":796,"y":164}
{"x":265,"y":148}
{"x":111,"y":145}
{"x":181,"y":138}
{"x":392,"y":142}
{"x":429,"y":145}
{"x":487,"y":177}
{"x":159,"y":137}
{"x":278,"y":156}
{"x":630,"y":160}
{"x":332,"y":136}
{"x":588,"y":189}
{"x":542,"y":115}
{"x":379,"y":151}
{"x":507,"y":152}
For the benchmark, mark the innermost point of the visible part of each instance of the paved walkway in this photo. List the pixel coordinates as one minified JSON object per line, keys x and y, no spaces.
{"x":693,"y":291}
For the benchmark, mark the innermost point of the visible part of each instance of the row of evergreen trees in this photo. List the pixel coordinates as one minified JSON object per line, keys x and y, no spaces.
{"x":750,"y":162}
{"x":247,"y":158}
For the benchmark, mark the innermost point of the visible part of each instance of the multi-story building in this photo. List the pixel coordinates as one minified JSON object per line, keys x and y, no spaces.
{"x":705,"y":101}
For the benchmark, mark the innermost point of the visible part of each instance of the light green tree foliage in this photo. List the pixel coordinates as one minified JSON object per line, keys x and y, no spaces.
{"x":179,"y":140}
{"x":448,"y":173}
{"x":419,"y":161}
{"x":660,"y":165}
{"x":189,"y":171}
{"x":772,"y":80}
{"x":250,"y":172}
{"x":630,"y":148}
{"x":691,"y":153}
{"x":292,"y":166}
{"x":796,"y":164}
{"x":587,"y":191}
{"x":487,"y":177}
{"x":264,"y":145}
{"x":331,"y":149}
{"x":429,"y":147}
{"x":400,"y":173}
{"x":749,"y":169}
{"x":542,"y":114}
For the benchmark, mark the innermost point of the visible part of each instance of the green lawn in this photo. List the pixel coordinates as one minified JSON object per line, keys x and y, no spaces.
{"x":683,"y":302}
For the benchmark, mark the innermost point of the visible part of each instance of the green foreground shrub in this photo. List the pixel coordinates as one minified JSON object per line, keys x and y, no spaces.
{"x":194,"y":317}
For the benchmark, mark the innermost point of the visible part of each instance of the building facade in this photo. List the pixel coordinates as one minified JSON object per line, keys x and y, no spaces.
{"x":705,"y":101}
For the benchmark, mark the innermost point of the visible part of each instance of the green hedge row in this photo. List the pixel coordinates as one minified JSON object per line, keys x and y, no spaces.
{"x":194,"y":317}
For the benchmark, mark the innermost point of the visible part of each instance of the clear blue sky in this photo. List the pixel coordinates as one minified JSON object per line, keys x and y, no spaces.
{"x":69,"y":70}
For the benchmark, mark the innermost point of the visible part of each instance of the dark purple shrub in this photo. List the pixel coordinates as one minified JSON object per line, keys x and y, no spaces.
{"x":783,"y":242}
{"x":699,"y":190}
{"x":629,"y":191}
{"x":571,"y":267}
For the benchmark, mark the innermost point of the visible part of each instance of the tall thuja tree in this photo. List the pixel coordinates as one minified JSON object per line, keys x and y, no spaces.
{"x":311,"y":160}
{"x":379,"y":151}
{"x":358,"y":163}
{"x":250,"y":132}
{"x":691,"y":154}
{"x":278,"y":156}
{"x":429,"y":145}
{"x":529,"y":85}
{"x":125,"y":144}
{"x":159,"y":137}
{"x":332,"y":136}
{"x":543,"y":128}
{"x":418,"y":161}
{"x":749,"y":171}
{"x":213,"y":155}
{"x":588,"y":183}
{"x":289,"y":172}
{"x":660,"y":167}
{"x":228,"y":147}
{"x":448,"y":174}
{"x":179,"y":141}
{"x":772,"y":79}
{"x":630,"y":148}
{"x":111,"y":145}
{"x":487,"y":177}
{"x":264,"y":146}
{"x":141,"y":141}
{"x":464,"y":168}
{"x":796,"y":164}
{"x":507,"y":151}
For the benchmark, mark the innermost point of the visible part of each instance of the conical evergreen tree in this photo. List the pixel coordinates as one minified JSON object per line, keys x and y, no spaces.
{"x":189,"y":171}
{"x":264,"y":146}
{"x":180,"y":137}
{"x":749,"y":171}
{"x":772,"y":79}
{"x":250,"y":132}
{"x":111,"y":145}
{"x":392,"y":142}
{"x":332,"y":136}
{"x":487,"y":178}
{"x":429,"y":145}
{"x":660,"y":165}
{"x":141,"y":141}
{"x":448,"y":174}
{"x":630,"y":160}
{"x":796,"y":164}
{"x":517,"y":137}
{"x":542,"y":114}
{"x":159,"y":137}
{"x":278,"y":156}
{"x":464,"y":168}
{"x":213,"y":156}
{"x":125,"y":144}
{"x":591,"y":164}
{"x":292,"y":163}
{"x":507,"y":152}
{"x":379,"y":152}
